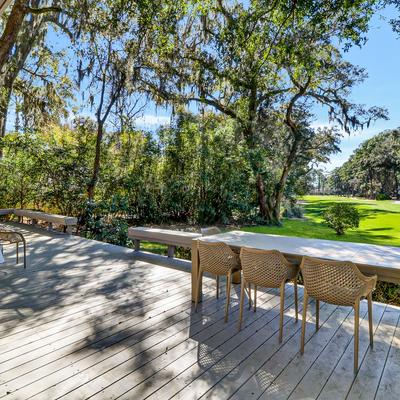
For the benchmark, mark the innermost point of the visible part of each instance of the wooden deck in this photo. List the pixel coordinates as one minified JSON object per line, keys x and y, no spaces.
{"x":91,"y":320}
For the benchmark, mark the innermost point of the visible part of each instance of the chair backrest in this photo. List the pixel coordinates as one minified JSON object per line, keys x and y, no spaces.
{"x":216,"y":257}
{"x":11,"y":237}
{"x":212,"y":230}
{"x":266,"y":268}
{"x":332,"y":281}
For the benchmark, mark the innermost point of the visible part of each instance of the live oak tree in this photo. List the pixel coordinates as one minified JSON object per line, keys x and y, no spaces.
{"x":20,"y":11}
{"x":24,"y":28}
{"x":373,"y":169}
{"x":259,"y":62}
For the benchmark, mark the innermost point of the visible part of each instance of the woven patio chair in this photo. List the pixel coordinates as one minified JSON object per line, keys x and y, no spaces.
{"x":212,"y":230}
{"x":218,"y":259}
{"x":267,"y":268}
{"x":12,"y":237}
{"x":339,"y":283}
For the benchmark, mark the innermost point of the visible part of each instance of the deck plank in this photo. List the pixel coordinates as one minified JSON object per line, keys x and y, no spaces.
{"x":318,"y":373}
{"x":212,"y":333}
{"x":92,"y":320}
{"x":389,"y":385}
{"x":341,"y":378}
{"x":367,"y":380}
{"x":88,"y":362}
{"x":213,"y":360}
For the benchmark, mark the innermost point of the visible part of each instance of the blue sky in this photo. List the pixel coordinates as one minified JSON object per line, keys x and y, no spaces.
{"x":381,"y":58}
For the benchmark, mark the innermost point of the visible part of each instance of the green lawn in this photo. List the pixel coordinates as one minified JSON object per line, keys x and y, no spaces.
{"x":380,"y":222}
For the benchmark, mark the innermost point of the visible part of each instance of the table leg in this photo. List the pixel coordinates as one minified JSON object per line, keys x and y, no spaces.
{"x":195,"y":270}
{"x":236,"y":277}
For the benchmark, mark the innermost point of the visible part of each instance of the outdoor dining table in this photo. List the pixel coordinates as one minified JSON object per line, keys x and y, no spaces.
{"x":371,"y":259}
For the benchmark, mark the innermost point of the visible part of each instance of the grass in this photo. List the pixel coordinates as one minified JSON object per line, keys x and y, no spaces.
{"x":380,"y":222}
{"x":162,"y":249}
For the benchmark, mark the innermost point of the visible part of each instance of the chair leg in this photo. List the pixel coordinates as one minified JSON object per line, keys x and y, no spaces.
{"x":316,"y":314}
{"x":199,"y":280}
{"x":17,"y":252}
{"x":217,"y":282}
{"x":249,"y":296}
{"x":242,"y":286}
{"x":282,"y":293}
{"x":255,"y":298}
{"x":24,"y":255}
{"x":303,"y":321}
{"x":296,"y":300}
{"x":356,"y":333}
{"x":228,"y":295}
{"x":371,"y":328}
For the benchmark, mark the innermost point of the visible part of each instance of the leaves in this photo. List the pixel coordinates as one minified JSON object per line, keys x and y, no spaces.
{"x":374,"y":168}
{"x":342,"y":216}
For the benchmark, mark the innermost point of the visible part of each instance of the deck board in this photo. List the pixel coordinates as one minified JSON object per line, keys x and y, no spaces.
{"x":92,"y":320}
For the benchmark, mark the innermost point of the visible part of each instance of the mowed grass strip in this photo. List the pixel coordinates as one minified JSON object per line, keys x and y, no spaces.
{"x":380,"y":221}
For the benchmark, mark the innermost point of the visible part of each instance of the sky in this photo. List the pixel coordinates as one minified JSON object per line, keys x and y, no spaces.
{"x":381,"y":59}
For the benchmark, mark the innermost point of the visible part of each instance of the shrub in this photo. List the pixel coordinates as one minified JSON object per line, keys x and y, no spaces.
{"x":382,"y":196}
{"x":342,"y":216}
{"x":292,"y":210}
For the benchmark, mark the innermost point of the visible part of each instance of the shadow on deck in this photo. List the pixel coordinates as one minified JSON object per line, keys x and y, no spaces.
{"x":91,"y":320}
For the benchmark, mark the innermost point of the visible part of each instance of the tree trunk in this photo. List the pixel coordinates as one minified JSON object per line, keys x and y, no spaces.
{"x":31,"y":31}
{"x":11,"y":30}
{"x":96,"y":164}
{"x":280,"y":187}
{"x":265,"y":212}
{"x":396,"y":184}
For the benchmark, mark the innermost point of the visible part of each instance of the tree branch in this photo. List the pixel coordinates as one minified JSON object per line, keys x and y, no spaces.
{"x":43,"y":10}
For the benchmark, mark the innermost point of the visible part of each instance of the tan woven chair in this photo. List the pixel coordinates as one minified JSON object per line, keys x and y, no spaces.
{"x":267,"y":268}
{"x":217,"y":259}
{"x":11,"y":237}
{"x":212,"y":230}
{"x":339,"y":283}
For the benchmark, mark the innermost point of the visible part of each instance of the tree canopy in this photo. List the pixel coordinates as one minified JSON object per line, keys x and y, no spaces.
{"x":242,"y":79}
{"x":372,"y":170}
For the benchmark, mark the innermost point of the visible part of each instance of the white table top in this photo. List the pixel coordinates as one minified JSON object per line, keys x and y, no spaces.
{"x":158,"y":231}
{"x":359,"y":253}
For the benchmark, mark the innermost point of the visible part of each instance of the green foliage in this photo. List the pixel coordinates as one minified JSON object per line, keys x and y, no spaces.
{"x":373,"y":169}
{"x":46,"y":170}
{"x":292,"y":210}
{"x":103,"y":223}
{"x":191,"y":172}
{"x":342,"y":216}
{"x":387,"y":292}
{"x":382,"y":196}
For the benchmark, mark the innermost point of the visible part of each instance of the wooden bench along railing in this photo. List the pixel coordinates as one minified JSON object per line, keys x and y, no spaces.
{"x":67,"y":222}
{"x":169,"y":237}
